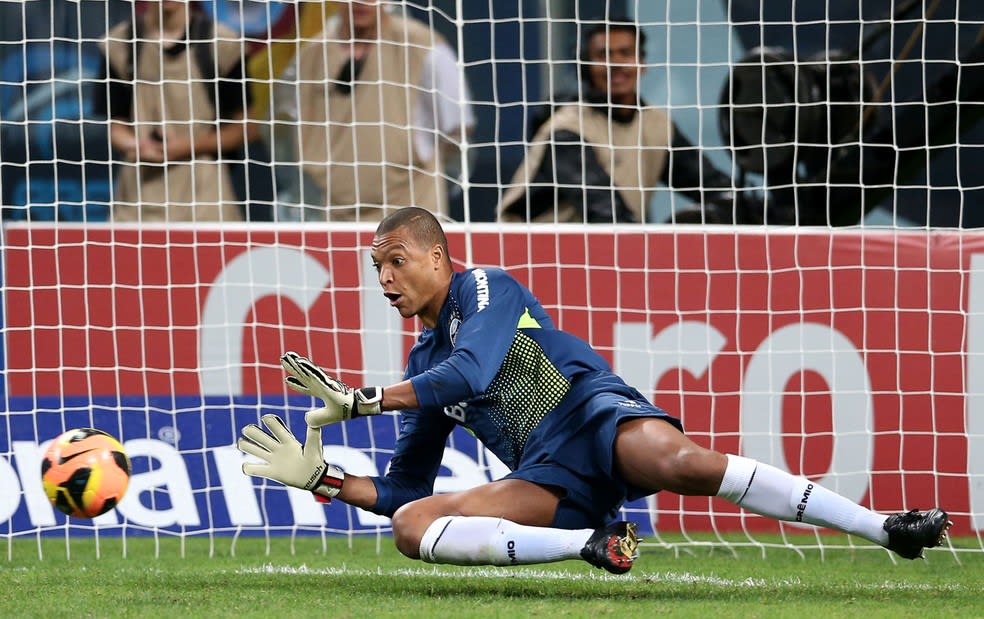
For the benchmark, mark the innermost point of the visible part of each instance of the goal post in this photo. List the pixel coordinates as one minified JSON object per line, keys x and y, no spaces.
{"x":846,"y":353}
{"x":813,"y":351}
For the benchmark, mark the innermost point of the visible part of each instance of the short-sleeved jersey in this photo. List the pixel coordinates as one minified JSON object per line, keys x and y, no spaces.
{"x":495,"y":364}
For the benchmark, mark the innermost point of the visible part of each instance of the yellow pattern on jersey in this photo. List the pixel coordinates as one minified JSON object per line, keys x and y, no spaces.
{"x":526,"y":388}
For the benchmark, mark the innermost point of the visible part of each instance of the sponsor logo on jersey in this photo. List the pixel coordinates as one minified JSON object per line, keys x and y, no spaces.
{"x":630,"y":404}
{"x":481,"y":288}
{"x":453,"y":329}
{"x":456,"y":411}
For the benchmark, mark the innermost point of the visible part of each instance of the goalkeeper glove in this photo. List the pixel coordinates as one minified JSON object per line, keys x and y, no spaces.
{"x":286,"y":461}
{"x":341,"y":402}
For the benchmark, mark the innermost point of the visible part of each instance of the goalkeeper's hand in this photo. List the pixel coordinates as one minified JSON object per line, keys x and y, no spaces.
{"x":287,"y":461}
{"x":341,"y":402}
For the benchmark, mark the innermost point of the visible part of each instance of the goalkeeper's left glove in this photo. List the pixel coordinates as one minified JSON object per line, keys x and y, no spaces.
{"x":341,"y":401}
{"x":286,"y":461}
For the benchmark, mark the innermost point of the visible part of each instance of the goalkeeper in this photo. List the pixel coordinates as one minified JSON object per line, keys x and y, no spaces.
{"x":579,"y":442}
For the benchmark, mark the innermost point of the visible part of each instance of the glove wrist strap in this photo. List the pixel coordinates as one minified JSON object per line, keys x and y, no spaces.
{"x":330,"y":484}
{"x":368,"y":401}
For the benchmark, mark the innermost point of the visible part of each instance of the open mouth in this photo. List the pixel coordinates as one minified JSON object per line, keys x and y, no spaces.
{"x":394,"y":297}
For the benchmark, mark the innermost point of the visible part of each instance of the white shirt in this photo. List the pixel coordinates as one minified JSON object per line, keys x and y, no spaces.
{"x":441,"y":110}
{"x":443,"y":102}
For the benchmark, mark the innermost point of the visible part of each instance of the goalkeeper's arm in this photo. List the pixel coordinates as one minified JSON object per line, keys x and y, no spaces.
{"x":399,"y":396}
{"x":358,"y":491}
{"x":412,"y":470}
{"x":282,"y":458}
{"x":341,"y":402}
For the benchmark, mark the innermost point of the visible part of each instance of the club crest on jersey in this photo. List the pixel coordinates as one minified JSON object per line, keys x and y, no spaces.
{"x":453,"y":329}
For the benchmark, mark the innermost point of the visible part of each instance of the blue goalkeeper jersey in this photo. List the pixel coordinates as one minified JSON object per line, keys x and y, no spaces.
{"x":495,"y":364}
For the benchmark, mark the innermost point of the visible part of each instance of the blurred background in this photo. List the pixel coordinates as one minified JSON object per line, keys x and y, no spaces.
{"x":871,"y":108}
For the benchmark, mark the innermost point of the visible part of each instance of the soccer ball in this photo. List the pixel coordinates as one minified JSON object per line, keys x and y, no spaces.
{"x":85,"y":472}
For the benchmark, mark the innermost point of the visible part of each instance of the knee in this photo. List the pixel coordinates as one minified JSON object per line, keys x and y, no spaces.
{"x":405,"y":536}
{"x":695,"y":470}
{"x":409,"y":524}
{"x":652,"y":454}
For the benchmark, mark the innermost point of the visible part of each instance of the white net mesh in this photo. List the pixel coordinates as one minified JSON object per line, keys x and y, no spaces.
{"x":215,"y":179}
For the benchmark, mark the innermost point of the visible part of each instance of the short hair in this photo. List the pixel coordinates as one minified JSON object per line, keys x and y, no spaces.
{"x":614,"y":24}
{"x":423,"y":226}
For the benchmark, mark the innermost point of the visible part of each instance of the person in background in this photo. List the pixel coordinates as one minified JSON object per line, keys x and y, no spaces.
{"x":272,"y":135}
{"x":381,"y":109}
{"x":599,"y":159}
{"x":176,"y":101}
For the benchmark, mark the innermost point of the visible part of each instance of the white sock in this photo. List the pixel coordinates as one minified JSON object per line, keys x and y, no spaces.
{"x":768,"y":491}
{"x":482,"y":540}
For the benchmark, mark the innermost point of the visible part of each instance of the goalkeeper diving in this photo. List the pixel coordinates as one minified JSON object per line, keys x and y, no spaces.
{"x":579,"y":442}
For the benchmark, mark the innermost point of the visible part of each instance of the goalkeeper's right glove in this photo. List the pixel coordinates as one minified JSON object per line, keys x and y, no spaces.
{"x":286,"y":461}
{"x":341,"y":401}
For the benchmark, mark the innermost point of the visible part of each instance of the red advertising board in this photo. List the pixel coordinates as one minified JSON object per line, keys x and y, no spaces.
{"x":103,"y":310}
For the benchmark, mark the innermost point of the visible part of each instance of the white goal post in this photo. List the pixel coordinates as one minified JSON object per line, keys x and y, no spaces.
{"x":827,"y":329}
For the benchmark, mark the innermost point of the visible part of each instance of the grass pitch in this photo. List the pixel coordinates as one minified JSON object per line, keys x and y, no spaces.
{"x":311,"y":577}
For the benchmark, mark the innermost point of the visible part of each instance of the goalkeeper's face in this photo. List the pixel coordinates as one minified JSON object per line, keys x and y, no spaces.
{"x":414,"y":277}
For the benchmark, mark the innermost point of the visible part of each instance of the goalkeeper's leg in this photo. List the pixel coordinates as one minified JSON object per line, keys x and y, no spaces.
{"x":505,"y":522}
{"x":651,"y":453}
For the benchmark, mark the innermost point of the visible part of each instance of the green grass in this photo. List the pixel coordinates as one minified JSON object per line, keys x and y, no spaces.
{"x":306,"y":578}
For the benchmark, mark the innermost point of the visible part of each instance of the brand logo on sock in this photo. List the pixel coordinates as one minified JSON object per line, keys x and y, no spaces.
{"x":802,"y":504}
{"x":511,"y":551}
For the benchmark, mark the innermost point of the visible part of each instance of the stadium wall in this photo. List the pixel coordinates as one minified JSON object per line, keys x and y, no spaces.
{"x":848,"y":356}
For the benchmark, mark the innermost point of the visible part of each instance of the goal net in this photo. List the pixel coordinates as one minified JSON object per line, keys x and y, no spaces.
{"x":757,"y":215}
